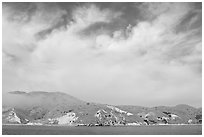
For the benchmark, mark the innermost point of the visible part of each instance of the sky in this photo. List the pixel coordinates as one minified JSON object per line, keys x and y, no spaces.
{"x":143,"y":54}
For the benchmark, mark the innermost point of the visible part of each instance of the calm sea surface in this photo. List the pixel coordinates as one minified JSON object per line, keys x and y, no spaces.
{"x":124,"y":130}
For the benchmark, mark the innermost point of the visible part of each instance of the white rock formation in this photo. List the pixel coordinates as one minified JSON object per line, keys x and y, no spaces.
{"x":165,"y":118}
{"x":190,"y":121}
{"x":133,"y":124}
{"x":30,"y":123}
{"x":129,"y":114}
{"x":173,"y":116}
{"x":69,"y":118}
{"x":13,"y":117}
{"x":119,"y":110}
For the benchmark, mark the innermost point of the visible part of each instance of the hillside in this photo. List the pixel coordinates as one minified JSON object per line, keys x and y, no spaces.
{"x":63,"y":109}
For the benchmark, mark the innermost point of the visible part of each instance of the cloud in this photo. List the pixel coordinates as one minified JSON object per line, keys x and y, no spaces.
{"x":90,"y":14}
{"x":150,"y":63}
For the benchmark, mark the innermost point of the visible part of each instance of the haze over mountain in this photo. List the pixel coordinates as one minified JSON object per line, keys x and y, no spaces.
{"x":143,"y":54}
{"x":21,"y":99}
{"x":63,"y":109}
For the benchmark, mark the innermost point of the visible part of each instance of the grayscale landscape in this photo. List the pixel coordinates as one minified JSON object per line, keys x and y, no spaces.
{"x":92,"y":68}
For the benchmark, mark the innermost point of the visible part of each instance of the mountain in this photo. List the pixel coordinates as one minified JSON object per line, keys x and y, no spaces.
{"x":41,"y":107}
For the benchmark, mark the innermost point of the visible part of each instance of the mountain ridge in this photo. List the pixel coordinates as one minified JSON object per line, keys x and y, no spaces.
{"x":60,"y":108}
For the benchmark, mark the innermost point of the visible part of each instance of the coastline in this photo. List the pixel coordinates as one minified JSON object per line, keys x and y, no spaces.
{"x":104,"y":126}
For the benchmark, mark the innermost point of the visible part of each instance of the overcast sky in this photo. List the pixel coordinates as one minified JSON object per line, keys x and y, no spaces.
{"x":146,"y":54}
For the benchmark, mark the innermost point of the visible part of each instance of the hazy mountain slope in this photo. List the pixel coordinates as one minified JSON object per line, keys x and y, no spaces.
{"x":41,"y":105}
{"x":45,"y":99}
{"x":60,"y":108}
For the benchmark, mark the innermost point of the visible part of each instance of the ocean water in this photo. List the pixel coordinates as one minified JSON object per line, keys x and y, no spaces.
{"x":123,"y":130}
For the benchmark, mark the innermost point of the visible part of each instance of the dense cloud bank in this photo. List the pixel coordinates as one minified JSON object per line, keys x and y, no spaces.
{"x":118,"y":53}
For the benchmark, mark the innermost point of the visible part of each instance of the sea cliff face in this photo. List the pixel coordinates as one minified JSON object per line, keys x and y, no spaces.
{"x":55,"y":108}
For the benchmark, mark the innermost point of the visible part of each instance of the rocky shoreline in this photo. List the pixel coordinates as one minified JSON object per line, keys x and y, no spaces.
{"x":91,"y":125}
